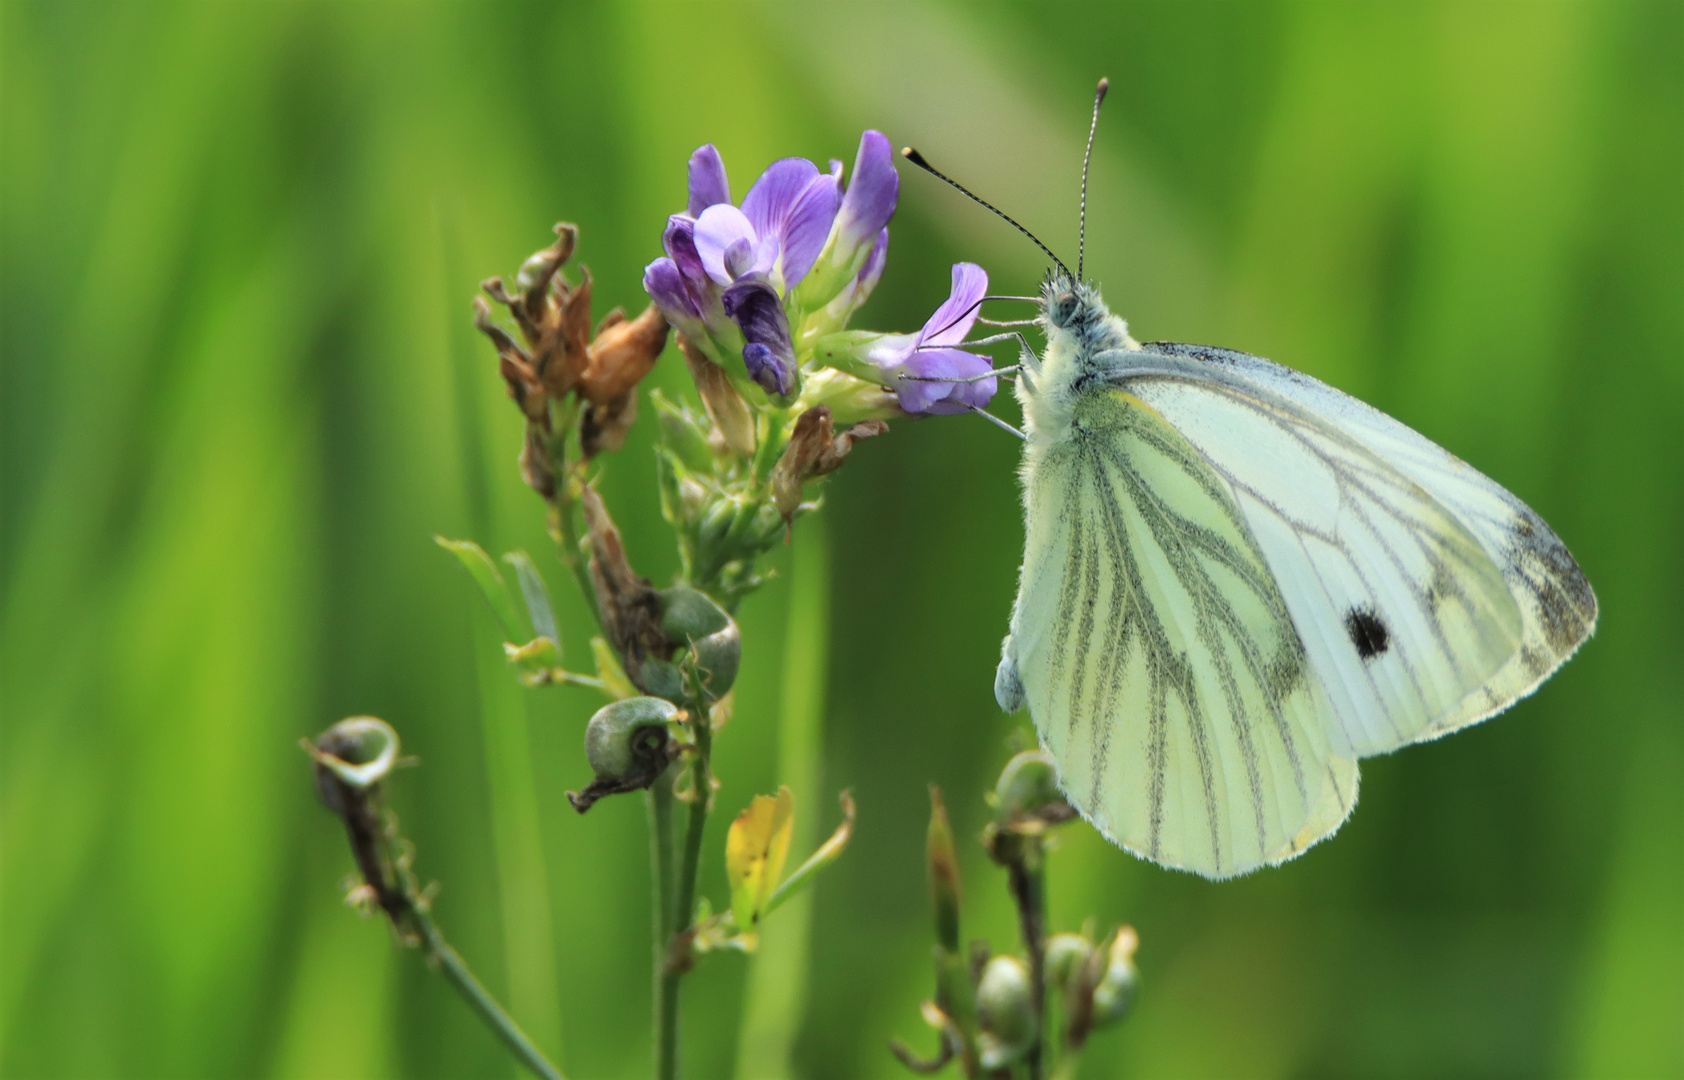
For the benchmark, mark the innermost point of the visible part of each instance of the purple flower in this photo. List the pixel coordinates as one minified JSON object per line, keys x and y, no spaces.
{"x":769,"y":355}
{"x":779,"y":231}
{"x":927,"y":355}
{"x":859,"y":233}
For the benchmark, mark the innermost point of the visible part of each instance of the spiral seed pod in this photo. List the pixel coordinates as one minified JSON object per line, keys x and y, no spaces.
{"x":690,"y":618}
{"x":628,"y":748}
{"x":1006,"y":1013}
{"x":358,"y":752}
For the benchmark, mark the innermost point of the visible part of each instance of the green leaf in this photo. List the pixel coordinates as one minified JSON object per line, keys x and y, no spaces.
{"x":827,"y":853}
{"x":484,"y":572}
{"x":536,"y":594}
{"x":608,"y":669}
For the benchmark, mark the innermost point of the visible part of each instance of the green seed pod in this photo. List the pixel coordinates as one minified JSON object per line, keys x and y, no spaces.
{"x":690,"y":618}
{"x":1114,"y":996}
{"x":1006,"y":1013}
{"x":628,"y":748}
{"x":1066,"y":953}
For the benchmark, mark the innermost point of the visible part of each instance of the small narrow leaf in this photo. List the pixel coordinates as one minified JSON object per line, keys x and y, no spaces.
{"x":613,"y":676}
{"x":484,"y":572}
{"x":823,"y":857}
{"x":755,"y":849}
{"x":536,"y":595}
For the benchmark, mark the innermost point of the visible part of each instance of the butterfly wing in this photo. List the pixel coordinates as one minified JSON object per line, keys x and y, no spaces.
{"x":1158,"y":656}
{"x":1427,"y":596}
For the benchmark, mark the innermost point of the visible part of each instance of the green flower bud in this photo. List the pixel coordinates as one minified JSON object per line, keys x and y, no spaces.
{"x":1114,"y":996}
{"x":684,"y":433}
{"x":945,"y":890}
{"x":628,"y":747}
{"x":1006,"y":1012}
{"x":1028,"y":783}
{"x":1066,"y":953}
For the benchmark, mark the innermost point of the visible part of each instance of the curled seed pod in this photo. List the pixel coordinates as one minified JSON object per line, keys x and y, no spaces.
{"x":628,"y":748}
{"x":360,"y":751}
{"x":1066,"y":953}
{"x":1114,"y":995}
{"x":692,"y":620}
{"x":1006,"y":1013}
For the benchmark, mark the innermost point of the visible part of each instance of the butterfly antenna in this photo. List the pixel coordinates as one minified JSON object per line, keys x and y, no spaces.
{"x":918,"y":159}
{"x":1087,"y":159}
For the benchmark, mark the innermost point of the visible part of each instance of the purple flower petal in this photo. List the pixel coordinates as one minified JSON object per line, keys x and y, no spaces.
{"x":769,"y":202}
{"x":954,"y":319}
{"x":871,"y":197}
{"x":770,"y":355}
{"x":680,"y":242}
{"x":708,"y":184}
{"x":774,"y":375}
{"x":872,"y":271}
{"x":944,"y":398}
{"x":665,"y":284}
{"x":718,"y":227}
{"x":808,"y":228}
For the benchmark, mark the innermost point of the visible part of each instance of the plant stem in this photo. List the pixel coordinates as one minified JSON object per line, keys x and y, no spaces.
{"x":1029,"y":890}
{"x":684,"y":899}
{"x":456,"y":972}
{"x":666,"y":987}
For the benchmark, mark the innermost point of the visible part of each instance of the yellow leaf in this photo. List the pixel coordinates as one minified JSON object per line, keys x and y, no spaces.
{"x":755,"y":850}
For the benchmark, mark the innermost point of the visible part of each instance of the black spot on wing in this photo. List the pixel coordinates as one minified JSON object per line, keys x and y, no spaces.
{"x":1368,"y":632}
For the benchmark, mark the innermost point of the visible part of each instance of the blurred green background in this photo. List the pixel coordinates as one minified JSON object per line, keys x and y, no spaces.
{"x":241,"y":393}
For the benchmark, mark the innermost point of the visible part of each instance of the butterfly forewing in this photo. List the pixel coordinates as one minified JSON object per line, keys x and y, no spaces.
{"x":1426,"y":595}
{"x":1159,"y":657}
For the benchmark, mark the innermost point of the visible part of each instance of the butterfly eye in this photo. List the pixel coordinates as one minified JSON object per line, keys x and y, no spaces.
{"x":1064,"y":308}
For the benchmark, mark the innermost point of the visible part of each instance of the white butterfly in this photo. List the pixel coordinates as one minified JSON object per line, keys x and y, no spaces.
{"x":1238,"y":581}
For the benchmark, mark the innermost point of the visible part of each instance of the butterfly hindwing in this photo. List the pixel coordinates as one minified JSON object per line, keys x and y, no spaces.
{"x":1159,"y":658}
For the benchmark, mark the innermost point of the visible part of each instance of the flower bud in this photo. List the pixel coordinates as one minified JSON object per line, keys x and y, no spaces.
{"x":683,"y":432}
{"x":725,"y":406}
{"x":628,"y":747}
{"x":945,"y":889}
{"x":1066,"y":953}
{"x":1006,"y":1013}
{"x":1114,"y":996}
{"x":813,"y":451}
{"x":1027,"y":797}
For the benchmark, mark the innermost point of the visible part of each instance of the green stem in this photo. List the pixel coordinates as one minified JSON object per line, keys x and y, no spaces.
{"x":1028,"y":880}
{"x":684,"y":899}
{"x":666,"y":986}
{"x":457,"y":973}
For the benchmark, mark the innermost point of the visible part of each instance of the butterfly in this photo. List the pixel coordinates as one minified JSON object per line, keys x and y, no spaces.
{"x":1238,"y":581}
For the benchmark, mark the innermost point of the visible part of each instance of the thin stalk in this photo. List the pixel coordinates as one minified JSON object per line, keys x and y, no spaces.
{"x":666,"y":987}
{"x":1029,"y":890}
{"x":457,"y":973}
{"x":684,"y":893}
